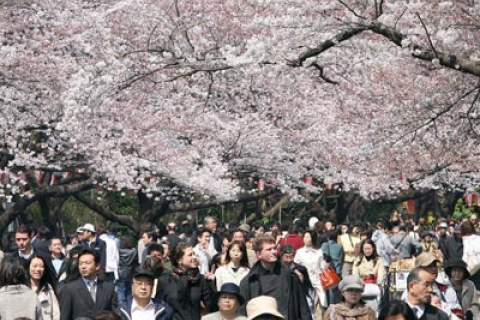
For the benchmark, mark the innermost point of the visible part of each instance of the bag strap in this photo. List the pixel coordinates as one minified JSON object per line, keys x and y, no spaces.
{"x":351,"y":242}
{"x":398,"y":244}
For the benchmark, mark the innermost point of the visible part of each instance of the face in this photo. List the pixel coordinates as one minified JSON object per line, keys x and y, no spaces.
{"x":433,"y":269}
{"x":268,"y":253}
{"x":142,"y":287}
{"x":421,"y":291}
{"x":37,"y":269}
{"x":239,"y":236}
{"x":344,"y":229}
{"x":212,"y":225}
{"x":352,"y":296}
{"x":225,"y":244}
{"x":156,"y":254}
{"x":145,"y":238}
{"x":23,"y":242}
{"x":260,"y":231}
{"x":307,"y":239}
{"x":204,"y":238}
{"x":87,"y":266}
{"x":367,"y":249}
{"x":56,"y":246}
{"x":80,"y":237}
{"x":166,"y":251}
{"x":227,"y":302}
{"x":473,"y":218}
{"x":355,"y":230}
{"x":441,"y":231}
{"x":86,"y":234}
{"x":287,"y":258}
{"x":457,"y":274}
{"x":328,"y":226}
{"x":74,"y":241}
{"x":235,"y":254}
{"x":189,"y":259}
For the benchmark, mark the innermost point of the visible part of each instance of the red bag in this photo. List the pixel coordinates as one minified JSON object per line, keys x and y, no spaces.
{"x":329,"y":278}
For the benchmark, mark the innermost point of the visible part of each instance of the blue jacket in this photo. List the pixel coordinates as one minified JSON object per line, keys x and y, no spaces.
{"x":162,"y":310}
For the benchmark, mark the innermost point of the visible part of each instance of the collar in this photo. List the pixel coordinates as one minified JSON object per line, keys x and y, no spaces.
{"x":26,"y":256}
{"x":420,"y":307}
{"x":135,"y":306}
{"x":87,"y":281}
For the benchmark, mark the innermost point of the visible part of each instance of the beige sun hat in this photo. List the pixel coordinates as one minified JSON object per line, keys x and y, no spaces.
{"x":262,"y":305}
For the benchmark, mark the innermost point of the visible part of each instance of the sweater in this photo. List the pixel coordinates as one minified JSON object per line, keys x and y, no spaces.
{"x":18,"y":301}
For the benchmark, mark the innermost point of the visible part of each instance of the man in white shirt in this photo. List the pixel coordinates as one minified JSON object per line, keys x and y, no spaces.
{"x":142,"y":306}
{"x":112,"y":255}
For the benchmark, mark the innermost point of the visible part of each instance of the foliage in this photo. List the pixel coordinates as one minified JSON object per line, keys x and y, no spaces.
{"x":377,"y":95}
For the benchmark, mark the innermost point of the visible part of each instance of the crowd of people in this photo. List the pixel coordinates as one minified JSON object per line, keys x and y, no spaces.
{"x":216,"y":271}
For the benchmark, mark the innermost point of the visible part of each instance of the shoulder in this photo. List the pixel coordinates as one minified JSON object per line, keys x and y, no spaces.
{"x":429,"y":309}
{"x":213,"y":316}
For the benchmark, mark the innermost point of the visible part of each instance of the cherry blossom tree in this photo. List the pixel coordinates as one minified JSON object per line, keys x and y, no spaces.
{"x":378,"y":95}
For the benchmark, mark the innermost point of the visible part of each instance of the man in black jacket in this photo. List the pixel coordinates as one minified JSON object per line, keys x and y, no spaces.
{"x":420,"y":286}
{"x":270,"y":277}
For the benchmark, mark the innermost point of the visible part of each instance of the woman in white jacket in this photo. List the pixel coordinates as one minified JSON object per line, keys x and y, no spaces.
{"x":43,"y":284}
{"x":311,"y":258}
{"x":237,"y":265}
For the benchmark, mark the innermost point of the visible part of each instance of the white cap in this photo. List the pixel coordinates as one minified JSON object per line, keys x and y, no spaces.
{"x":88,"y":227}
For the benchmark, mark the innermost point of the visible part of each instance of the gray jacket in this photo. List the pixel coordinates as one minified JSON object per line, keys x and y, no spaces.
{"x":405,"y":245}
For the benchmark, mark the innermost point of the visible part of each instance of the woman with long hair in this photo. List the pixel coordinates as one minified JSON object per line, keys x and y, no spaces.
{"x":311,"y":257}
{"x":237,"y":265}
{"x":42,"y":282}
{"x":370,"y":268}
{"x":16,"y":298}
{"x":192,"y":288}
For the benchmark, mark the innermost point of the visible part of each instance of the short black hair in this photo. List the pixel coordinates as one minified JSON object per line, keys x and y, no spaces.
{"x":91,"y":252}
{"x":396,"y":307}
{"x":155,"y":247}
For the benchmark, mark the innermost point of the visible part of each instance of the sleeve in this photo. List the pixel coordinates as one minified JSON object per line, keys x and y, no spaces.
{"x":356,"y":267}
{"x":380,"y":272}
{"x":55,"y":308}
{"x":219,"y":278}
{"x":451,"y":296}
{"x":304,"y":310}
{"x":66,"y":304}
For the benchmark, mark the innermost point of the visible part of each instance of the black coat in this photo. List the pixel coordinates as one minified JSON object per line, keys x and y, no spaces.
{"x":185,"y":297}
{"x":432,"y":313}
{"x":453,"y":249}
{"x":293,"y":304}
{"x":76,"y":302}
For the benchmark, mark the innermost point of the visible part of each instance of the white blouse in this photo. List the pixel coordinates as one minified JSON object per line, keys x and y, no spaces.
{"x":225,"y":274}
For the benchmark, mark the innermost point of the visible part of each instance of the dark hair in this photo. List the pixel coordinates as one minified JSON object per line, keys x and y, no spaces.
{"x":152,"y":234}
{"x":413,"y":276}
{"x":243,"y":248}
{"x":12,"y":272}
{"x":467,"y":228}
{"x":394,"y":308}
{"x":90,"y":252}
{"x":154,"y":265}
{"x":71,"y":270}
{"x":362,"y":254}
{"x":44,"y":232}
{"x":75,"y":250}
{"x":177,"y":252}
{"x":314,"y":236}
{"x":127,"y":242}
{"x":154,"y":247}
{"x":48,"y":279}
{"x":107,"y":315}
{"x":202,"y":230}
{"x":24,"y":229}
{"x":332,"y":235}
